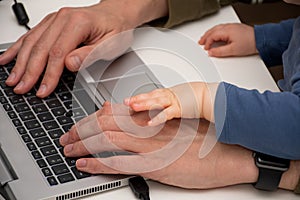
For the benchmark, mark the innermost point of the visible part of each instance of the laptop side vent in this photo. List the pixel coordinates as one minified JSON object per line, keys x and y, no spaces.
{"x":89,"y":191}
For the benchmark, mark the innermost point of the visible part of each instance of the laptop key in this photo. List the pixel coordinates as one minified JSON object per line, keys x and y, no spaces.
{"x":12,"y":115}
{"x":67,"y":127}
{"x":45,"y":117}
{"x":40,"y":108}
{"x":9,"y":91}
{"x":65,"y":96}
{"x":32,"y":124}
{"x":79,"y":174}
{"x":65,"y":178}
{"x":3,"y":76}
{"x":55,"y":134}
{"x":2,"y":84}
{"x":60,"y":169}
{"x":47,"y":172}
{"x":7,"y":107}
{"x":26,"y":138}
{"x":49,"y":150}
{"x":65,"y":120}
{"x":36,"y":155}
{"x":50,"y":125}
{"x":16,"y":99}
{"x":17,"y":122}
{"x":58,"y":111}
{"x":3,"y":100}
{"x":22,"y":107}
{"x":57,"y":144}
{"x":54,"y":103}
{"x":44,"y":141}
{"x":36,"y":133}
{"x":41,"y":163}
{"x":31,"y":146}
{"x":22,"y":130}
{"x":71,"y":161}
{"x":28,"y":115}
{"x":52,"y":181}
{"x":54,"y":160}
{"x":34,"y":100}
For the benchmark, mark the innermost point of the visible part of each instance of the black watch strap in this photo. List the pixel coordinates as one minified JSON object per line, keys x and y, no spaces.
{"x":268,"y":179}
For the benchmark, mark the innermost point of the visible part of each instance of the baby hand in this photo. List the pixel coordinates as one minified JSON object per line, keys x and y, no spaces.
{"x":238,"y":40}
{"x":184,"y":100}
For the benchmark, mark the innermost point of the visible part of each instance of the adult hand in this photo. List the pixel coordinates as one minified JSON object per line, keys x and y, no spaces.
{"x":52,"y":44}
{"x":239,"y":40}
{"x":114,"y":128}
{"x":103,"y":132}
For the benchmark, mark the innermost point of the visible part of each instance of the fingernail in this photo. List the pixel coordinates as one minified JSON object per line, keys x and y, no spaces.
{"x":42,"y":89}
{"x":136,"y":105}
{"x":68,"y":148}
{"x":150,"y":123}
{"x":75,"y":62}
{"x":11,"y":77}
{"x":64,"y":139}
{"x":81,"y":163}
{"x":20,"y":85}
{"x":126,"y":101}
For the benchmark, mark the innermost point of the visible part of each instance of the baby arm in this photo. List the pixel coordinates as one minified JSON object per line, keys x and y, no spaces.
{"x":239,"y":40}
{"x":188,"y":100}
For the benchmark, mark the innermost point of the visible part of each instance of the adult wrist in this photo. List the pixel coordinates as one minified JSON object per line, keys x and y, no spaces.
{"x":236,"y":165}
{"x":137,"y":12}
{"x":291,"y":177}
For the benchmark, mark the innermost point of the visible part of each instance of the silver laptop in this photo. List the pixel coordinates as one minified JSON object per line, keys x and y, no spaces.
{"x":32,"y":165}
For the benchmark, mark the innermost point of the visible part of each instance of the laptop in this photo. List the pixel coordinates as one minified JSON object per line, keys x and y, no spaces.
{"x":32,"y":164}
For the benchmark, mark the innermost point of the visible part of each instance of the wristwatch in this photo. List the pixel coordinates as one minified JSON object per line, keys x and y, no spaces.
{"x":270,"y":171}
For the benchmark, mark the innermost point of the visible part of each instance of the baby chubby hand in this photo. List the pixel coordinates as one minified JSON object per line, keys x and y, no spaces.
{"x":185,"y":100}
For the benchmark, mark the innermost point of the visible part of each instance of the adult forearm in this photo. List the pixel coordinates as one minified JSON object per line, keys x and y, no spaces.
{"x":138,"y":12}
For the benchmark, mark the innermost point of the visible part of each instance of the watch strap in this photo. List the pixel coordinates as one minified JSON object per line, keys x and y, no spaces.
{"x":268,"y":179}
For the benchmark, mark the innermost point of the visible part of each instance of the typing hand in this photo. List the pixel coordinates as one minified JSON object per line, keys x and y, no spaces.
{"x":166,"y":156}
{"x":239,"y":40}
{"x":189,"y":100}
{"x":66,"y":37}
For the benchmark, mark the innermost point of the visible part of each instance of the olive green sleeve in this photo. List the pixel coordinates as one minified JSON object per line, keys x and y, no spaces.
{"x":186,"y":10}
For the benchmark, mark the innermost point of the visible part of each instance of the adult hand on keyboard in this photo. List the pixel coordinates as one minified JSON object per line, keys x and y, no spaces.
{"x":53,"y":43}
{"x":114,"y":128}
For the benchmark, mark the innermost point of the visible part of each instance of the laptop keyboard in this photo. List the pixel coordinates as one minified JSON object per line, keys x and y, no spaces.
{"x":41,"y":122}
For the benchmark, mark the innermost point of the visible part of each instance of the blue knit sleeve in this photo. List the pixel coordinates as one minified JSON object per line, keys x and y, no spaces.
{"x":266,"y":122}
{"x":272,"y":40}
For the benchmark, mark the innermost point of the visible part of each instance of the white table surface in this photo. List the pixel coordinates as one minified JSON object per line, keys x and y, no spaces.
{"x":248,"y":72}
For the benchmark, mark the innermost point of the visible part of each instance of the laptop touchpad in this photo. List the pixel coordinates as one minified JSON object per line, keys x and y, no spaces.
{"x":117,"y":89}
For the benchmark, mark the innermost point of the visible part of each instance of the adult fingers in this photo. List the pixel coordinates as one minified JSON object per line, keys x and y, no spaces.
{"x":39,"y":54}
{"x":11,"y":52}
{"x":108,"y":141}
{"x":102,"y":120}
{"x":22,"y":49}
{"x":109,"y":165}
{"x":74,"y":25}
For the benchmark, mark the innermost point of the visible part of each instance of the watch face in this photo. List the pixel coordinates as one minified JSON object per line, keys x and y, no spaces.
{"x":271,"y":162}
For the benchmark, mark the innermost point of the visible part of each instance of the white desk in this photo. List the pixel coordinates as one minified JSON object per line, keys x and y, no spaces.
{"x":248,"y":72}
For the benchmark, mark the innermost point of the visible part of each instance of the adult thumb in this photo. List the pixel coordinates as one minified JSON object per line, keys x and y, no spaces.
{"x":75,"y":58}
